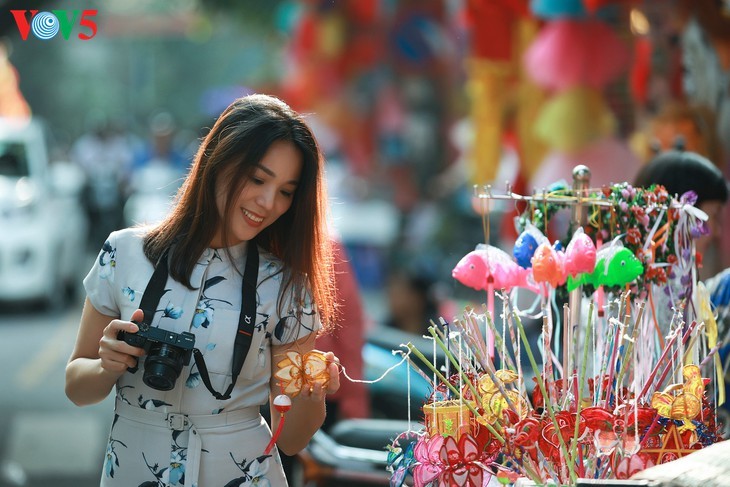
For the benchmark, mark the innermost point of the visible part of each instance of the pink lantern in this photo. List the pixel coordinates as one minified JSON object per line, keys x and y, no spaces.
{"x":569,"y":53}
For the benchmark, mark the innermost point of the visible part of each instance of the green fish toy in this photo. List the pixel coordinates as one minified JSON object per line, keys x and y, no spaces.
{"x":613,"y":268}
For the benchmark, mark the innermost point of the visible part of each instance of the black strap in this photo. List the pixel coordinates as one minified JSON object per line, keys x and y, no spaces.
{"x":246,"y":320}
{"x":154,"y":290}
{"x":246,"y":323}
{"x":152,"y":294}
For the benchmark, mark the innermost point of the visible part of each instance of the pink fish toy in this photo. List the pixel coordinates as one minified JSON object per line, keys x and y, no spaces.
{"x":488,"y":266}
{"x":548,"y":265}
{"x":580,"y":255}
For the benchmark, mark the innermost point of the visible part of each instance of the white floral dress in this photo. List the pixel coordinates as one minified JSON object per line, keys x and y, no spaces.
{"x":186,"y":437}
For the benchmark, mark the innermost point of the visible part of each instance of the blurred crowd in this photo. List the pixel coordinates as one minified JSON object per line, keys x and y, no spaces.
{"x":118,"y":164}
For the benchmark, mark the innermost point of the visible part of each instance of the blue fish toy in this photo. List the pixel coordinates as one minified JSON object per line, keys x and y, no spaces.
{"x":526,"y":244}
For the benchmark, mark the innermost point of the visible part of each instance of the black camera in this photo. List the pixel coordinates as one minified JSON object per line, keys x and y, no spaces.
{"x":167,"y":353}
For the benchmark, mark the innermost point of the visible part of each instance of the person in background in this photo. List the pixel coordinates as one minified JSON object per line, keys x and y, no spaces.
{"x":105,"y":154}
{"x":680,"y":171}
{"x":719,"y":288}
{"x":162,"y":148}
{"x":346,"y":341}
{"x":244,"y":253}
{"x":411,"y":302}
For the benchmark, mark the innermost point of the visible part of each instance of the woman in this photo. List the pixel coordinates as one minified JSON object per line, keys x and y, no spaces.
{"x":255,"y":189}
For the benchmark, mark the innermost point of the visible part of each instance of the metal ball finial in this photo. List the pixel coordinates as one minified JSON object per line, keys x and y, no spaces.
{"x":581,"y":173}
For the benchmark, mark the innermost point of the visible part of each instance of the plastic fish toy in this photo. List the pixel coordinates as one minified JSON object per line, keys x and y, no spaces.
{"x":615,"y":266}
{"x":548,"y":265}
{"x":486,"y":262}
{"x":526,"y":244}
{"x":524,"y":249}
{"x":580,"y":255}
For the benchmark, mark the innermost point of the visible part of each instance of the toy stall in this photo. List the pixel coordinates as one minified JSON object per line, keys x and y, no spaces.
{"x":625,"y":375}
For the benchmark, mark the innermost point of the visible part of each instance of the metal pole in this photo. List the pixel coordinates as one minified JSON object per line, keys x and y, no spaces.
{"x":581,"y":183}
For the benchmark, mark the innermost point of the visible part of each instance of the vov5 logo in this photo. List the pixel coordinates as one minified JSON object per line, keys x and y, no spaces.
{"x":45,"y":25}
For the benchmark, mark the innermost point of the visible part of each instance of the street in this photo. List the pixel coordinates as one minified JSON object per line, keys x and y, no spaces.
{"x":44,"y":438}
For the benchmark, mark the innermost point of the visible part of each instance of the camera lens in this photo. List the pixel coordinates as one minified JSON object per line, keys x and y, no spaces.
{"x":162,"y":367}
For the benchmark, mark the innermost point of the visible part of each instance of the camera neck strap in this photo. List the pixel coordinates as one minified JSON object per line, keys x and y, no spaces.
{"x":246,"y":319}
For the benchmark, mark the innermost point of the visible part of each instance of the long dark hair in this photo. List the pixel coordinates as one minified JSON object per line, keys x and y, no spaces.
{"x":238,"y":141}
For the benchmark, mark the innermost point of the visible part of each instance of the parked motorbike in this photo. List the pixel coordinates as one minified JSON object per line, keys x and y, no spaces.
{"x":352,"y":453}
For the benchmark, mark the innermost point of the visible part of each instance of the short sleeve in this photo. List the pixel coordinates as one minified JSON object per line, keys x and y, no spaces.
{"x":299,"y":318}
{"x":99,"y":282}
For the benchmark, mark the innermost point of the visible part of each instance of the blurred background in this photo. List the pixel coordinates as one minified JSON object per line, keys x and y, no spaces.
{"x":413,"y":102}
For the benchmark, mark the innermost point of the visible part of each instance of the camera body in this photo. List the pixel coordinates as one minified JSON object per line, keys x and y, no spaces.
{"x":167,"y":353}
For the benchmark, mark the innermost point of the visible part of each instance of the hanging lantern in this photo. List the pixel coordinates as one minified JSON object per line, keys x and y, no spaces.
{"x":570,"y":53}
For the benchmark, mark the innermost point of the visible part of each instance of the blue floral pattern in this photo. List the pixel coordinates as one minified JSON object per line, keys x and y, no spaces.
{"x":204,"y":311}
{"x":107,"y":261}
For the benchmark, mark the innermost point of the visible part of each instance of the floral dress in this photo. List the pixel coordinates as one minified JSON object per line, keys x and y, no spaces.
{"x":184,"y":436}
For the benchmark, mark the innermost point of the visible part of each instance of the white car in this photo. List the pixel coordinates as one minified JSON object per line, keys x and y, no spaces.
{"x":43,"y":226}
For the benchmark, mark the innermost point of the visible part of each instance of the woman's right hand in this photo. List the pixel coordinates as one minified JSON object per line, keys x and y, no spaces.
{"x":116,"y":355}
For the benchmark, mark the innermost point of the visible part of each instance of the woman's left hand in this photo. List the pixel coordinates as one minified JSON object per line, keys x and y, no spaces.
{"x":317,"y":391}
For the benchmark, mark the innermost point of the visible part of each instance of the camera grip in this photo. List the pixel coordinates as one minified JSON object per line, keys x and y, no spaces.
{"x":133,"y":338}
